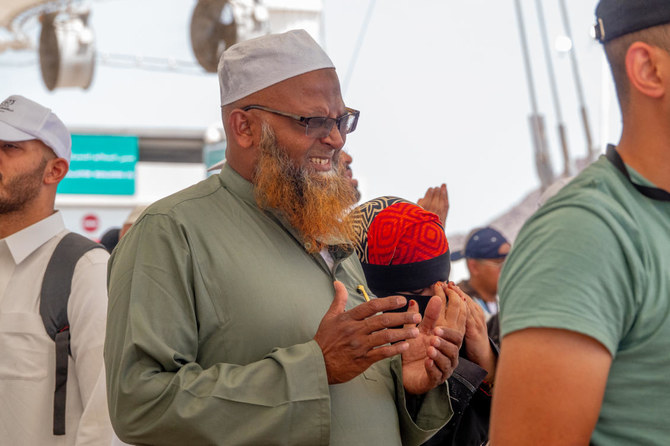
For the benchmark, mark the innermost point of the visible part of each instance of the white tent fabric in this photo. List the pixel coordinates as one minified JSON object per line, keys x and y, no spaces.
{"x":9,"y":9}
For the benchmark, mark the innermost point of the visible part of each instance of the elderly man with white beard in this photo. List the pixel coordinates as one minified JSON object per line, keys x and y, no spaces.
{"x":238,"y":314}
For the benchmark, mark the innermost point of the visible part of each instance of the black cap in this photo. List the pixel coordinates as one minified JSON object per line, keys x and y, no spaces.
{"x":110,"y":238}
{"x":614,"y":18}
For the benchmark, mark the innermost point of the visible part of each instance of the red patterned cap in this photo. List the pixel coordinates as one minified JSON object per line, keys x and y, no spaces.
{"x":401,"y":246}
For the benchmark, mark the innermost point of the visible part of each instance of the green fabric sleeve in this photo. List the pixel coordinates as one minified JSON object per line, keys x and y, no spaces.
{"x":160,"y":389}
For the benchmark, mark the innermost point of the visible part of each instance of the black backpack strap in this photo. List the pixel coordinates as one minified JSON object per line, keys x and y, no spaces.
{"x":56,"y":287}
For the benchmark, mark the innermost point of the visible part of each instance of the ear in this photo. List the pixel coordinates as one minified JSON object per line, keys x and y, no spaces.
{"x":644,"y":66}
{"x":55,"y":170}
{"x":240,"y":125}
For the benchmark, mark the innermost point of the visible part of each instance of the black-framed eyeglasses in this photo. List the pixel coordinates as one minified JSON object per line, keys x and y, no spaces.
{"x":318,"y":126}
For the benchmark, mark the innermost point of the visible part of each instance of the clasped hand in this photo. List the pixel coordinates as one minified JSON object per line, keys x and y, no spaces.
{"x":353,"y":340}
{"x":433,"y":355}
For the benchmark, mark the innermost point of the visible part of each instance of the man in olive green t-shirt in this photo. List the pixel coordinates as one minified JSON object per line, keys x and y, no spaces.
{"x":585,"y":291}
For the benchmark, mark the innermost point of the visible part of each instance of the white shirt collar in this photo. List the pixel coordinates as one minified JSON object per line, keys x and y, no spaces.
{"x":328,"y":258}
{"x":23,"y":243}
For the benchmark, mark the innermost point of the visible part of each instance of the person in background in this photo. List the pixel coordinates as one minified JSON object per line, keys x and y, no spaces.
{"x":404,"y":251}
{"x":110,"y":239}
{"x":112,"y":236}
{"x":585,"y":291}
{"x":34,"y":157}
{"x":131,"y":219}
{"x":485,"y":252}
{"x":346,"y":161}
{"x":436,"y":200}
{"x":235,"y":308}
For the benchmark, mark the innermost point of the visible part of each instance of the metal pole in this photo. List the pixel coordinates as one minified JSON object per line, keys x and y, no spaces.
{"x":359,"y":44}
{"x":578,"y":82}
{"x":526,"y":57}
{"x":542,"y":160}
{"x":554,"y":88}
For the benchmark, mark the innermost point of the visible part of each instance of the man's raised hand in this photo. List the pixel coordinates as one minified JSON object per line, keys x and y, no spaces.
{"x":353,"y":340}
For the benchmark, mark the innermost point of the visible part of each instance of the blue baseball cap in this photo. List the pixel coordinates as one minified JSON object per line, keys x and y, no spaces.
{"x":615,"y":18}
{"x":482,"y":243}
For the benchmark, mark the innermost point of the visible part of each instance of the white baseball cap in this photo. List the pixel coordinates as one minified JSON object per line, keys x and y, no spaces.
{"x":22,"y":119}
{"x":252,"y":65}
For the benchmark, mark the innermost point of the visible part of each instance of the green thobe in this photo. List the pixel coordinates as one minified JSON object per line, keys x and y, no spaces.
{"x":213,"y":306}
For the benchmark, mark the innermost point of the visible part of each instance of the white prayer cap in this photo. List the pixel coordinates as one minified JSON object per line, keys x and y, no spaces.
{"x":252,"y":65}
{"x":22,"y":120}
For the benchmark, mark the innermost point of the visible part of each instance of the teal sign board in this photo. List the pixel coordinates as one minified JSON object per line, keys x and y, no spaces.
{"x":101,"y":165}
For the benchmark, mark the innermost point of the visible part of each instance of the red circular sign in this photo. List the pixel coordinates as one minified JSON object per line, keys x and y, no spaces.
{"x":90,"y":222}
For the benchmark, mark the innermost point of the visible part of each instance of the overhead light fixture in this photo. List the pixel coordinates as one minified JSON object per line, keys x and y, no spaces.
{"x":218,"y":24}
{"x":67,"y":49}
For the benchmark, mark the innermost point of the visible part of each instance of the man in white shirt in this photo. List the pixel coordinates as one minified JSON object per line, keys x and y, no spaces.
{"x":34,"y":157}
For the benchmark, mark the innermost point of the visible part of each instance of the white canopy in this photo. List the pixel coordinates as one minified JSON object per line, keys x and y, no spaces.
{"x":9,"y":9}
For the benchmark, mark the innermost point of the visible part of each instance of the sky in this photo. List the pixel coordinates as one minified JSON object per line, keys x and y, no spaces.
{"x":440,"y":84}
